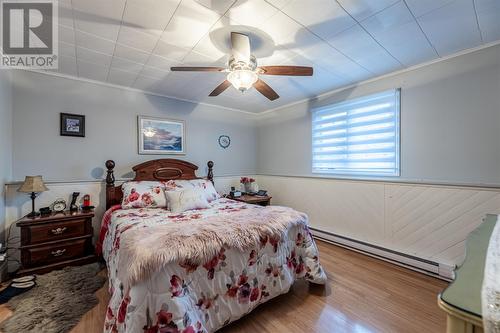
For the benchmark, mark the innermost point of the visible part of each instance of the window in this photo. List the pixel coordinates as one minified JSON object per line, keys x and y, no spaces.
{"x":358,"y":136}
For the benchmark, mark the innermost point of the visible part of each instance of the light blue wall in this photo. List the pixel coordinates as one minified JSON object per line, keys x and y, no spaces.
{"x":5,"y":140}
{"x":450,"y":123}
{"x":111,"y":130}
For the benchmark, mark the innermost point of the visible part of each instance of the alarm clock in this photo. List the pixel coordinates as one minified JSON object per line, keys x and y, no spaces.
{"x":59,"y":205}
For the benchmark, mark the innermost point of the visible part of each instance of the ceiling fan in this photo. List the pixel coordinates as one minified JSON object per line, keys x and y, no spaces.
{"x":243,"y":72}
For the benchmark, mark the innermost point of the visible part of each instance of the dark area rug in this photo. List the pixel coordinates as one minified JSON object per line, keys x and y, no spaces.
{"x":57,"y":303}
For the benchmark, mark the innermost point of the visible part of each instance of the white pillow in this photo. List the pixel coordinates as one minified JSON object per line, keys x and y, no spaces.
{"x":203,"y":184}
{"x":207,"y":187}
{"x":180,"y":201}
{"x":143,"y":194}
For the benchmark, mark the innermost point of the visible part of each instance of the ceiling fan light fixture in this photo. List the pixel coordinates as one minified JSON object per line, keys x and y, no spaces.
{"x":242,"y":79}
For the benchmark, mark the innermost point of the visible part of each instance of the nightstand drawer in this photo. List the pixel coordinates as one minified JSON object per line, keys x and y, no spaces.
{"x":55,"y":231}
{"x":47,"y":254}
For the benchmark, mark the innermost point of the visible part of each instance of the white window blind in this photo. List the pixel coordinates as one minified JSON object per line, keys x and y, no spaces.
{"x":358,"y":136}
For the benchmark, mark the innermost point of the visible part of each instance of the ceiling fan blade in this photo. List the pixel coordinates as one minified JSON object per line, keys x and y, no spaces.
{"x":220,"y":88}
{"x":286,"y":70}
{"x":197,"y":69}
{"x":240,"y":46}
{"x":265,"y":90}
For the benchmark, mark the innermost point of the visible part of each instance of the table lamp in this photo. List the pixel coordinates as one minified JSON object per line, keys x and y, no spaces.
{"x":33,"y":185}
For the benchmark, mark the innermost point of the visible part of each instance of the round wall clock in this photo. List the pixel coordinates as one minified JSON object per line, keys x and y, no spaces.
{"x":224,"y":141}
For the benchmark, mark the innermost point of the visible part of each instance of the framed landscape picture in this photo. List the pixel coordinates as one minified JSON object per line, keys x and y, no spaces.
{"x":72,"y":125}
{"x":161,"y":136}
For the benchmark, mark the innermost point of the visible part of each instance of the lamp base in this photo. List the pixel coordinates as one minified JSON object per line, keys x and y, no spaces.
{"x":33,"y":214}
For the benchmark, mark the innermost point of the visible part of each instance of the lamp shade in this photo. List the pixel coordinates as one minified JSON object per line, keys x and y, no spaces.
{"x":33,"y":184}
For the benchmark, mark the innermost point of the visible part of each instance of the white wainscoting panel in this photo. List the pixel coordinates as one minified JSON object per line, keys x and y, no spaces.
{"x":426,"y":221}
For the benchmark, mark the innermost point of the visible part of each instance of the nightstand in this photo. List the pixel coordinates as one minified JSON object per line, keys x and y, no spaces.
{"x":54,"y":241}
{"x":254,"y":199}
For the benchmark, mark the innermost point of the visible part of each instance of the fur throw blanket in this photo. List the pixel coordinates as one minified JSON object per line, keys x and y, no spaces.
{"x":144,"y":250}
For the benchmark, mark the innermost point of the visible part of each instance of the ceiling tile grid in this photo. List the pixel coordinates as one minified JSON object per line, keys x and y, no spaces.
{"x":133,"y":43}
{"x":488,"y":13}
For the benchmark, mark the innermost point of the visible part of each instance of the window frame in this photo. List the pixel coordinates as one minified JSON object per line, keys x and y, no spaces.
{"x":363,"y":174}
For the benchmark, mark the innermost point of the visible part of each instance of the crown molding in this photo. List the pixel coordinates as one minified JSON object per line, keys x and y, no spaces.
{"x":401,"y":71}
{"x":111,"y":85}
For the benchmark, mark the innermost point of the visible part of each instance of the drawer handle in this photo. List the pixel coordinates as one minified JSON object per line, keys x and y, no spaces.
{"x":59,"y":231}
{"x":58,"y":253}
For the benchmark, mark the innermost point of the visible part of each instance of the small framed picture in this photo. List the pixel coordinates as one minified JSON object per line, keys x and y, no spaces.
{"x":72,"y":125}
{"x":161,"y":136}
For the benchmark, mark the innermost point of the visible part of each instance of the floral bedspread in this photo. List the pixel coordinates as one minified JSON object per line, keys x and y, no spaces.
{"x":184,"y":298}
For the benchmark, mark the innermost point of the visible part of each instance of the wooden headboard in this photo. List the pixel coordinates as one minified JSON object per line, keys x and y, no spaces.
{"x":161,"y":169}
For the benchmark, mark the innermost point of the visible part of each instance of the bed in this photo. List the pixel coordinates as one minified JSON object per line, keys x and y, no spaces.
{"x":201,"y":269}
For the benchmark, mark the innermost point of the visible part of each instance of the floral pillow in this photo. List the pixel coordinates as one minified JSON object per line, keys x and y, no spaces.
{"x":145,"y":194}
{"x":204,"y":185}
{"x":183,"y":200}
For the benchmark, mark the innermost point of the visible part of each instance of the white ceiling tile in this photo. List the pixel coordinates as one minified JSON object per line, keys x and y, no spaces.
{"x":171,"y":51}
{"x":189,"y":24}
{"x":149,"y":19}
{"x":104,"y":30}
{"x":172,"y":85}
{"x":146,"y":83}
{"x":323,"y":80}
{"x":131,"y":54}
{"x":106,"y":9}
{"x":279,"y":57}
{"x":252,"y":13}
{"x":218,"y":6}
{"x":154,"y":72}
{"x":396,"y":29}
{"x":67,"y":50}
{"x":362,"y":9}
{"x":421,"y":7}
{"x":94,"y":42}
{"x":323,"y":17}
{"x":488,"y":13}
{"x":98,"y":17}
{"x":92,"y":71}
{"x":94,"y":57}
{"x":452,"y":27}
{"x":126,"y":65}
{"x":66,"y":35}
{"x":278,"y":3}
{"x":282,"y":29}
{"x":209,"y":50}
{"x":136,"y":38}
{"x":65,"y":12}
{"x":67,"y":65}
{"x":161,"y":63}
{"x":158,"y":5}
{"x":326,"y":56}
{"x":198,"y":59}
{"x":360,"y":47}
{"x":122,"y":78}
{"x":215,"y":44}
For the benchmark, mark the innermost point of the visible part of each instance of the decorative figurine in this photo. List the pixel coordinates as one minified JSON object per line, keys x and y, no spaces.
{"x":86,"y":203}
{"x":73,"y":207}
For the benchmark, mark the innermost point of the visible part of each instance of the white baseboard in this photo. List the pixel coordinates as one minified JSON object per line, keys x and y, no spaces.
{"x":435,"y":269}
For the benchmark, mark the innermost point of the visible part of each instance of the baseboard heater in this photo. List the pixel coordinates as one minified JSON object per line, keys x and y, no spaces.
{"x":425,"y":266}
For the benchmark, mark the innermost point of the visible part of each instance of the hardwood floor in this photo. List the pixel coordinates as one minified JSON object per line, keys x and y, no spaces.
{"x":363,"y":295}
